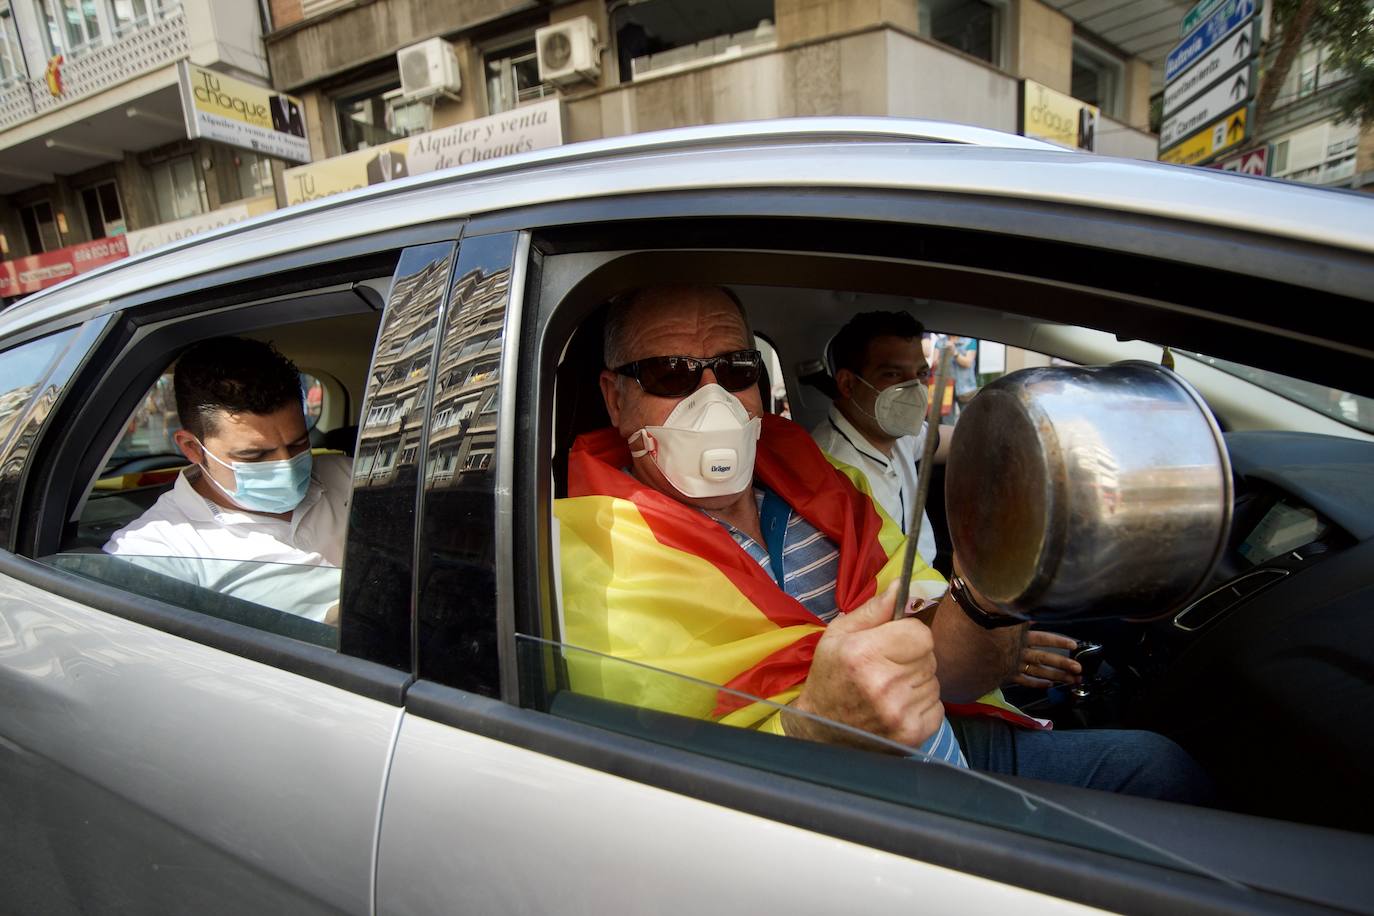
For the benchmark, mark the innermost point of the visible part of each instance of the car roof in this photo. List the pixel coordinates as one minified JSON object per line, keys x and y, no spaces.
{"x":866,"y":153}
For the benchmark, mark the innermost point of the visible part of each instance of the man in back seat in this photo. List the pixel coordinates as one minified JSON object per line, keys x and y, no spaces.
{"x":256,"y":516}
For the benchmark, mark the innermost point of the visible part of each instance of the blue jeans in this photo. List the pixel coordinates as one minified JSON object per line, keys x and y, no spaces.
{"x":1114,"y":760}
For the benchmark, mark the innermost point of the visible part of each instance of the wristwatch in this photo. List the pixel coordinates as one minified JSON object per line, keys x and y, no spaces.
{"x":988,"y":621}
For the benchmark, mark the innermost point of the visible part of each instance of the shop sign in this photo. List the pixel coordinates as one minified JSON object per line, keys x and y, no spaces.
{"x":1217,"y":138}
{"x":143,"y":240}
{"x":531,"y":127}
{"x":1057,"y":117}
{"x":236,"y":112}
{"x":39,"y":271}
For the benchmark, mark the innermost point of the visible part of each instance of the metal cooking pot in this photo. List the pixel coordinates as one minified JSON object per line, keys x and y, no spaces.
{"x":1077,"y":493}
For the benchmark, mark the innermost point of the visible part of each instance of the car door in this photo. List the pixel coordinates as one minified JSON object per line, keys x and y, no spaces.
{"x":170,"y":749}
{"x":508,"y":793}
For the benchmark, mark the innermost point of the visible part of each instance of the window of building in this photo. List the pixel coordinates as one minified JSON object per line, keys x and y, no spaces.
{"x":40,"y":227}
{"x":972,"y":26}
{"x":179,"y":189}
{"x":658,"y":36}
{"x":104,"y":215}
{"x":1097,"y":77}
{"x":255,"y":174}
{"x":11,"y":55}
{"x":127,"y":15}
{"x":378,"y":115}
{"x":73,"y":25}
{"x":513,"y":78}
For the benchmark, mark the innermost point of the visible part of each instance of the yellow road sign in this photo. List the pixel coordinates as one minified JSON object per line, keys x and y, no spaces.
{"x":1217,"y":138}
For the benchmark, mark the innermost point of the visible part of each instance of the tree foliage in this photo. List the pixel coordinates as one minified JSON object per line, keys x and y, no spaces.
{"x":1346,"y":29}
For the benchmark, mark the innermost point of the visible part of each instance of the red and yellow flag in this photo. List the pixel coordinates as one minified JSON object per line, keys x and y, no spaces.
{"x":650,"y":580}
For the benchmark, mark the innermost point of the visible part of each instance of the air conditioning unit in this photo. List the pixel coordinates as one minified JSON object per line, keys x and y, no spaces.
{"x":428,"y":69}
{"x":568,"y":52}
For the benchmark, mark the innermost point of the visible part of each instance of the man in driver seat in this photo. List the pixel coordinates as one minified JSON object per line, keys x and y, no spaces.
{"x":256,"y":516}
{"x":703,"y":538}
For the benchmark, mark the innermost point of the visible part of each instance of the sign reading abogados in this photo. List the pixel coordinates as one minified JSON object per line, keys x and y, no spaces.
{"x":238,"y":113}
{"x":1057,"y":117}
{"x":520,"y":131}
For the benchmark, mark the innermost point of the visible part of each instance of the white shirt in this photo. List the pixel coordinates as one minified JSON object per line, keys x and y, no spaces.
{"x":893,"y":480}
{"x":291,"y":565}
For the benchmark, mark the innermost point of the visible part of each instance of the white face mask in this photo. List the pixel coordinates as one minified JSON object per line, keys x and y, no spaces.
{"x":900,"y":409}
{"x":705,"y":447}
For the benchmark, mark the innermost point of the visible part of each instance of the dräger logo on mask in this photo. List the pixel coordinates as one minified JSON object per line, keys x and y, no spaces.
{"x":705,"y":447}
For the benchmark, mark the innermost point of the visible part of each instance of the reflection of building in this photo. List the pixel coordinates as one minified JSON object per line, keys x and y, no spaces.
{"x":390,"y":434}
{"x":463,"y":436}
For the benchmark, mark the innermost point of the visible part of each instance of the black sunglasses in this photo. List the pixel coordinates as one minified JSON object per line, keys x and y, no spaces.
{"x":678,"y":376}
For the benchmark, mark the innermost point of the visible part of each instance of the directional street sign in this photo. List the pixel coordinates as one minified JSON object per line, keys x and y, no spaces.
{"x":1251,"y":162}
{"x":1227,"y":18}
{"x":1217,"y":138}
{"x":1234,"y":89}
{"x":1195,"y":15}
{"x":1226,"y":56}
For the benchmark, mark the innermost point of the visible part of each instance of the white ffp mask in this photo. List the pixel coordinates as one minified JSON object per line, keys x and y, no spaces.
{"x":705,"y":447}
{"x":900,"y":409}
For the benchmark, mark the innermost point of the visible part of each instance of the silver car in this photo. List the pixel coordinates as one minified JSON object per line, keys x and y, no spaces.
{"x":166,"y":747}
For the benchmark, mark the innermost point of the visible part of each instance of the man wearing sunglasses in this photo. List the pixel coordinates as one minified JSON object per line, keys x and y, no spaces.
{"x":705,"y":539}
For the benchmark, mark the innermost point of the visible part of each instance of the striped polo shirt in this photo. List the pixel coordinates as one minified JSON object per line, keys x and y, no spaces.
{"x":810,"y":565}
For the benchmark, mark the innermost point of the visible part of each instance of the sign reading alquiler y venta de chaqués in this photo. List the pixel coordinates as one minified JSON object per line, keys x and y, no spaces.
{"x":520,"y":130}
{"x":238,"y":113}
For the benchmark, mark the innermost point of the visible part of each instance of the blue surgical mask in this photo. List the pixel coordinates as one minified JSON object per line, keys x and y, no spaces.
{"x":266,"y":486}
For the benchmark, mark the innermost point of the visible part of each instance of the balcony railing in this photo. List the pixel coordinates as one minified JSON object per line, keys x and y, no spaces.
{"x":95,"y":69}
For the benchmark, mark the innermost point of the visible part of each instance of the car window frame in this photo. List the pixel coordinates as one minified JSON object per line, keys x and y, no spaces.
{"x":231,"y":300}
{"x":566,"y":229}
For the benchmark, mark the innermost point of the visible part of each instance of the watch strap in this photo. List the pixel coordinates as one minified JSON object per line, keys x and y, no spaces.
{"x":985,"y":619}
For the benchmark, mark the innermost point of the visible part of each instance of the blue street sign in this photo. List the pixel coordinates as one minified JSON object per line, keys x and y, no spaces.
{"x":1214,"y":28}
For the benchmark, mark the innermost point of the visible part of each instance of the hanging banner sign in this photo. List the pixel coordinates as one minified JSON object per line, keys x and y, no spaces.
{"x":1057,"y":117}
{"x":232,"y":111}
{"x":39,"y":271}
{"x":521,"y":130}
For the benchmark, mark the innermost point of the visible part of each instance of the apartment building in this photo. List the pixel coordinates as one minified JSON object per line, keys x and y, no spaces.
{"x":1304,"y":138}
{"x":375,"y":83}
{"x":95,"y":149}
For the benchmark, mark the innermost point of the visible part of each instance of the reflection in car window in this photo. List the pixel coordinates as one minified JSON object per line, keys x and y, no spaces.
{"x":1350,"y":409}
{"x":282,"y":598}
{"x":24,"y":409}
{"x":877,"y":768}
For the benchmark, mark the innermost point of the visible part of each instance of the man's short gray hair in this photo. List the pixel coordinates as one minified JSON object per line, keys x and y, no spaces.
{"x":618,"y":319}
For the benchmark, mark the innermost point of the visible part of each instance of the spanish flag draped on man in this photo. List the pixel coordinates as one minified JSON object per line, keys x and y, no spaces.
{"x":648,"y":579}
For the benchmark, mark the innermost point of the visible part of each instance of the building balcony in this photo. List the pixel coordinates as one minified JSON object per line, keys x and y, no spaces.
{"x":120,"y":93}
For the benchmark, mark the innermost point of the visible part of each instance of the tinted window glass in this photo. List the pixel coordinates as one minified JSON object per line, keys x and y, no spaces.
{"x":457,"y":600}
{"x":23,"y":371}
{"x":381,"y":528}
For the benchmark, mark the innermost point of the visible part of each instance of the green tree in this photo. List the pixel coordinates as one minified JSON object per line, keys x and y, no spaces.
{"x":1346,"y":29}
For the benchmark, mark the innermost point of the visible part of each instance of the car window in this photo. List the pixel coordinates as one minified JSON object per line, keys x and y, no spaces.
{"x":573,"y":685}
{"x":1350,"y":409}
{"x":24,"y":407}
{"x":148,"y":527}
{"x":147,"y":441}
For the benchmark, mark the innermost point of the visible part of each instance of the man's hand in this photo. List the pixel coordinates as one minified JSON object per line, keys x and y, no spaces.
{"x":872,"y":673}
{"x":1041,"y":668}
